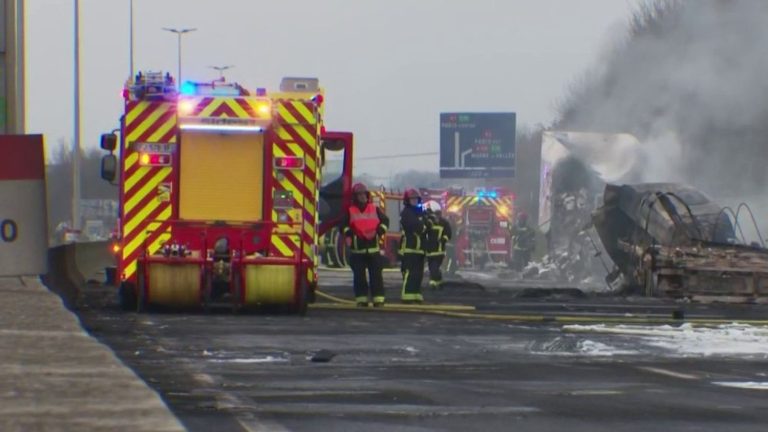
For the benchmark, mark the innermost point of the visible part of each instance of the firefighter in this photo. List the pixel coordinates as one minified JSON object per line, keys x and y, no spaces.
{"x":364,"y":225}
{"x":436,"y":239}
{"x":414,"y":226}
{"x":523,"y":242}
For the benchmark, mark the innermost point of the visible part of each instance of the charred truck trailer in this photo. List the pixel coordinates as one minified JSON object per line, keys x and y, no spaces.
{"x":222,"y":196}
{"x":671,"y":240}
{"x":655,"y":239}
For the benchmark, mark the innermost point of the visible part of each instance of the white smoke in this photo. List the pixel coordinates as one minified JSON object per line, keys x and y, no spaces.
{"x":691,"y":82}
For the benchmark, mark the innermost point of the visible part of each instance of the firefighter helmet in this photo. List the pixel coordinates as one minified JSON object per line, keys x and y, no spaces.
{"x":522,"y":217}
{"x":433,"y":206}
{"x":411,"y":193}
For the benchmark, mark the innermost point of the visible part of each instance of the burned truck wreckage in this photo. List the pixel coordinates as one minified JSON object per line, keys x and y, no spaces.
{"x":606,"y":228}
{"x":671,"y":240}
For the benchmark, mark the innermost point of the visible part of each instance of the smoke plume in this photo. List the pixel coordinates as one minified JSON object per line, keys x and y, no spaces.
{"x":691,"y":82}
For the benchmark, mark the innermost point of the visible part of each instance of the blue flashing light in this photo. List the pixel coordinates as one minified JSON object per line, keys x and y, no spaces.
{"x":492,"y":194}
{"x":480,"y":194}
{"x":188,"y":88}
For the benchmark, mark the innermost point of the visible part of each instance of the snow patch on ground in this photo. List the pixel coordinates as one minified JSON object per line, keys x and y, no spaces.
{"x":592,"y":348}
{"x":477,"y":275}
{"x":751,"y":385}
{"x":266,"y":359}
{"x":688,"y":340}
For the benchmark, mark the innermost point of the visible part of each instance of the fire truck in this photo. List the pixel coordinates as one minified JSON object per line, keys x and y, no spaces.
{"x":222,"y":192}
{"x":481,"y":223}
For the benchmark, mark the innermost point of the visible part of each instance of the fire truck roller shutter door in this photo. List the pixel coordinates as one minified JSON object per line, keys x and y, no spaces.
{"x":222,"y":176}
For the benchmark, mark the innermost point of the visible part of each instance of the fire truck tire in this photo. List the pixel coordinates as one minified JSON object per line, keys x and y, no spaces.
{"x":237,"y":292}
{"x":343,"y":251}
{"x":141,"y":289}
{"x":127,"y":296}
{"x":312,"y":295}
{"x":333,"y":259}
{"x":302,"y":298}
{"x":207,"y":291}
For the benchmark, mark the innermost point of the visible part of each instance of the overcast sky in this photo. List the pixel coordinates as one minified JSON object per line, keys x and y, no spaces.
{"x":388,"y":67}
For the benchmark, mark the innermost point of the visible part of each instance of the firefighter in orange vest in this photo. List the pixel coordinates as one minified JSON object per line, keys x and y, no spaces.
{"x":364,"y":225}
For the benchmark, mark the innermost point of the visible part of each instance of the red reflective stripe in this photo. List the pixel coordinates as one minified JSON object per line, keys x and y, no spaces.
{"x":364,"y":223}
{"x":21,"y":157}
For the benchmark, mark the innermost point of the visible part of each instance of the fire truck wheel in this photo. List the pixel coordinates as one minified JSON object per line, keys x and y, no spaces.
{"x":207,"y":291}
{"x":127,"y":296}
{"x":302,"y":299}
{"x":312,"y":294}
{"x":141,"y":289}
{"x":236,"y":294}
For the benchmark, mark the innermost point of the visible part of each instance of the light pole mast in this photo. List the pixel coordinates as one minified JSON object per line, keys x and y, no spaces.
{"x":179,"y":33}
{"x":76,"y":138}
{"x":130,"y":31}
{"x":221,"y":70}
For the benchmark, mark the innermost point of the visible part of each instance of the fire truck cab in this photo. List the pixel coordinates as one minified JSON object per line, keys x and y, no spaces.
{"x":222,"y":192}
{"x":481,"y":222}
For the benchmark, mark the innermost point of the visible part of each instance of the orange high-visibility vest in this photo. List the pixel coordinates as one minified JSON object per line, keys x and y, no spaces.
{"x":364,"y":223}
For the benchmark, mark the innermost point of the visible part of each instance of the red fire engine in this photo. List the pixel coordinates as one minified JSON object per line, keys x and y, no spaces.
{"x":481,"y":223}
{"x":222,"y":194}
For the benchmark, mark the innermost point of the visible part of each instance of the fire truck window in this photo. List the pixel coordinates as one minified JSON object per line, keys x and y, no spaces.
{"x":333,"y":168}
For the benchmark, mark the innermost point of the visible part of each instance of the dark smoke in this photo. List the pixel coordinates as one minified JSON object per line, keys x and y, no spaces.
{"x":691,"y":82}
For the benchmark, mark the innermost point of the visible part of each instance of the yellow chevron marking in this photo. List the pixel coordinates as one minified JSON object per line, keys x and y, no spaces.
{"x":139,"y":218}
{"x":135,"y":113}
{"x":162,"y":130}
{"x":308,"y":115}
{"x":139,"y":130}
{"x":239,"y":111}
{"x":151,"y":186}
{"x":305,"y":135}
{"x":130,"y":160}
{"x":131,"y":181}
{"x":283,"y":248}
{"x":206,"y":112}
{"x":285,"y":114}
{"x":139,"y":239}
{"x":130,"y":267}
{"x":311,"y":162}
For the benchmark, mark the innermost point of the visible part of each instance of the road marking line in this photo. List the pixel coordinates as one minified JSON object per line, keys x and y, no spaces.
{"x":253,"y":425}
{"x":669,"y":373}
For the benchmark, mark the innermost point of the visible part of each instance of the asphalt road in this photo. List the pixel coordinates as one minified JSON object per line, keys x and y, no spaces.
{"x":413,"y":372}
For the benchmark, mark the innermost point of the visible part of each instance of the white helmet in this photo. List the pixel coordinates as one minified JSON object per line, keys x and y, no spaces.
{"x":432,"y":205}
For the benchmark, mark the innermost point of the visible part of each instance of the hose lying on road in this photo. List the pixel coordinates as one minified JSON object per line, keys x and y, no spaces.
{"x":421,"y":307}
{"x":464,"y":311}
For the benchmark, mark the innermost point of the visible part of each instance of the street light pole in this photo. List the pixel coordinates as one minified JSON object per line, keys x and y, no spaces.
{"x":76,"y":138}
{"x":221,"y":70}
{"x":130,"y":14}
{"x":179,"y":33}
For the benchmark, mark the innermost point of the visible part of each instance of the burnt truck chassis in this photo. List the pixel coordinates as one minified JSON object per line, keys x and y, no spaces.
{"x":670,"y":240}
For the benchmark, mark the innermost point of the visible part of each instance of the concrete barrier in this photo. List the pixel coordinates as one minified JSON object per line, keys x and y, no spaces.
{"x":71,"y":265}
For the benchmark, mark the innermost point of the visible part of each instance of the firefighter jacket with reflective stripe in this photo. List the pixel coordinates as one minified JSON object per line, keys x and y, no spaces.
{"x":437,"y":236}
{"x":365,"y":226}
{"x":412,"y":223}
{"x":523,"y":237}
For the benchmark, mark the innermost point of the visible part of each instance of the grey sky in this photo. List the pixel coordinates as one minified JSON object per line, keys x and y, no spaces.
{"x":389,"y":67}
